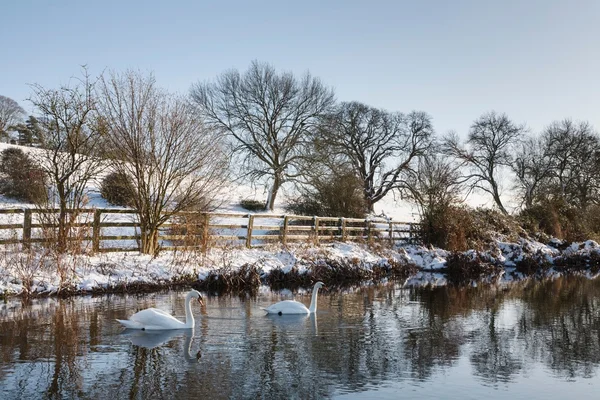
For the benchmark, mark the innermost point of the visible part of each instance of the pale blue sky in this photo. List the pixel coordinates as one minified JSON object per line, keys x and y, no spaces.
{"x":536,"y":60}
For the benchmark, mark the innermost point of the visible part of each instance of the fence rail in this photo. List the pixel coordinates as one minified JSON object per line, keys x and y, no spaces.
{"x":197,"y":230}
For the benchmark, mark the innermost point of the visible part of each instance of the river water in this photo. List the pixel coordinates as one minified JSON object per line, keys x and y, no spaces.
{"x":525,"y":341}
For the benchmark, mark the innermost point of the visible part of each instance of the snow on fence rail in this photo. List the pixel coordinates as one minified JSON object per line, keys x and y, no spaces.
{"x":107,"y":230}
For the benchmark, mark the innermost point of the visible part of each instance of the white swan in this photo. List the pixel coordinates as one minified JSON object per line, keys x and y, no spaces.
{"x":153,"y":319}
{"x":295,"y":307}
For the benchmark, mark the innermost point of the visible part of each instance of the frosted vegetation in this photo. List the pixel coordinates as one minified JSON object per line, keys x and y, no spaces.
{"x":496,"y":203}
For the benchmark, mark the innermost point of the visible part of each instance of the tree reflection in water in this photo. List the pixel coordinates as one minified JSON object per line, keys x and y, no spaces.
{"x":361,"y":339}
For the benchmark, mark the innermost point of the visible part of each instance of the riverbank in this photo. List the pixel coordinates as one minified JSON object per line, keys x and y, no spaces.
{"x":236,"y":269}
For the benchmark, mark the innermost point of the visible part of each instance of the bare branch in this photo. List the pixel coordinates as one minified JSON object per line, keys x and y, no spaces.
{"x":380,"y":146}
{"x":70,"y":142}
{"x":11,"y":114}
{"x":487,"y":149}
{"x":175,"y":162}
{"x":267,"y":114}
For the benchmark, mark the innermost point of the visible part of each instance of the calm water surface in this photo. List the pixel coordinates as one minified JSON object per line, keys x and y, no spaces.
{"x":532,"y":341}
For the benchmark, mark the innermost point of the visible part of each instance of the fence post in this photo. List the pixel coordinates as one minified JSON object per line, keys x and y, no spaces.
{"x":316,"y":228}
{"x":96,"y":231}
{"x":27,"y":229}
{"x":205,"y":232}
{"x":391,"y":233}
{"x":285,"y":229}
{"x":368,"y":226}
{"x":343,"y":227}
{"x":249,"y":235}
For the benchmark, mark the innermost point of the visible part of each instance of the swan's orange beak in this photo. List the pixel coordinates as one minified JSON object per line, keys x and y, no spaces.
{"x":200,"y":301}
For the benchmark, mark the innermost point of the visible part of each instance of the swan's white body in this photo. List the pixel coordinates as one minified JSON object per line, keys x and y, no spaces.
{"x":153,"y":319}
{"x":295,"y":307}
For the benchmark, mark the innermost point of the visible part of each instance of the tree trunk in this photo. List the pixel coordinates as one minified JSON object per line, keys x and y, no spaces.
{"x":277,"y":181}
{"x":62,"y":222}
{"x":368,"y":194}
{"x":496,"y":196}
{"x":369,"y":205}
{"x":149,"y":240}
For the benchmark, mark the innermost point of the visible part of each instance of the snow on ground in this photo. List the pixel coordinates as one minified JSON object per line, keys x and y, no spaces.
{"x":87,"y":273}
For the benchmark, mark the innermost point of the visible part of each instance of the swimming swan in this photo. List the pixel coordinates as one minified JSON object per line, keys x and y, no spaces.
{"x":153,"y":319}
{"x":295,"y":307}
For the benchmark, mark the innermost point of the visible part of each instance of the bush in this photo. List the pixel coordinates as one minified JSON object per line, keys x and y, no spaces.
{"x":561,"y":220}
{"x":246,"y":278}
{"x":457,"y":228}
{"x":304,"y":205}
{"x":451,"y":228}
{"x":117,"y":189}
{"x":252,"y":205}
{"x":23,"y":180}
{"x":192,"y":225}
{"x":338,"y":196}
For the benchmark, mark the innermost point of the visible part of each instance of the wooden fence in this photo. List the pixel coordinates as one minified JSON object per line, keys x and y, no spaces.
{"x":197,"y":230}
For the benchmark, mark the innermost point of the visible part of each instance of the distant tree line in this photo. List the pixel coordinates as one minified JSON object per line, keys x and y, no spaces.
{"x":168,"y":153}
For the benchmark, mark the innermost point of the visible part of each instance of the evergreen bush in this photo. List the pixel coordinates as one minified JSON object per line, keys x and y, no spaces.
{"x":22,"y":179}
{"x":252,"y":205}
{"x":117,"y":189}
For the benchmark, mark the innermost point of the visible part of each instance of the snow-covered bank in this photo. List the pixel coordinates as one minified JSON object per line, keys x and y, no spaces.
{"x":22,"y":273}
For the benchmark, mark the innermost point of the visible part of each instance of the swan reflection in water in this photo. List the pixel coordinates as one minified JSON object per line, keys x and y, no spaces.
{"x":152,"y":339}
{"x":294,"y":321}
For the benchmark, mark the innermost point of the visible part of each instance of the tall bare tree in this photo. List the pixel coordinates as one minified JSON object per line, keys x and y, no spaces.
{"x":574,"y":151}
{"x":11,"y":113}
{"x":267,"y":114}
{"x":486,"y":151}
{"x":435,"y":184}
{"x":69,"y":139}
{"x":532,"y":166}
{"x":158,"y":140}
{"x":381,"y":146}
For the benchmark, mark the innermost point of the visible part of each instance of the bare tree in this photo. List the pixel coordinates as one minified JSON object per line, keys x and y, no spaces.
{"x":267,"y":114}
{"x":11,"y":114}
{"x":532,"y":166}
{"x":436,"y":188}
{"x":574,"y":151}
{"x":435,"y":184}
{"x":69,"y":139}
{"x":486,"y":151}
{"x":381,"y":146}
{"x":159,"y":141}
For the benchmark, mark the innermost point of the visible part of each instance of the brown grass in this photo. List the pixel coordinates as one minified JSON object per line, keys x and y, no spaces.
{"x":226,"y":279}
{"x":563,"y":221}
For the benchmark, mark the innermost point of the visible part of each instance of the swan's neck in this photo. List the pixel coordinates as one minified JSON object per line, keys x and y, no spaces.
{"x":313,"y":301}
{"x":189,"y":317}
